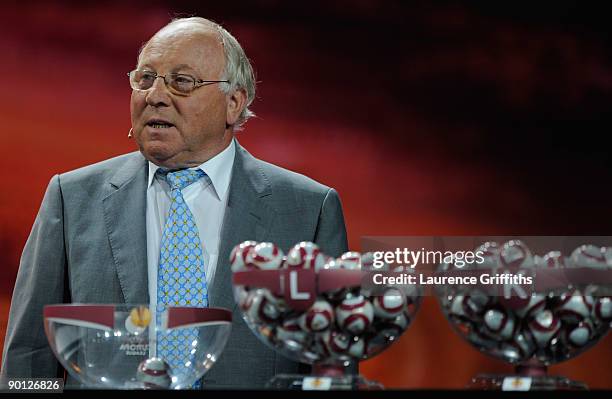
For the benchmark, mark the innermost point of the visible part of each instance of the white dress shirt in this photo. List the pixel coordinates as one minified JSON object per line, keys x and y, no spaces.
{"x":207,"y":200}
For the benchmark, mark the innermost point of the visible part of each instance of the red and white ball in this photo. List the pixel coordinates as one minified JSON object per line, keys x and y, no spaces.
{"x":238,"y":256}
{"x":154,"y":373}
{"x":476,"y":302}
{"x":390,"y":304}
{"x":515,"y":254}
{"x":355,"y":314}
{"x":260,"y":309}
{"x":319,"y":317}
{"x":579,"y":335}
{"x":602,"y":309}
{"x":553,"y":260}
{"x":305,"y":255}
{"x":500,"y":323}
{"x":574,"y":306}
{"x":589,"y":256}
{"x":351,"y":260}
{"x":265,"y":256}
{"x":337,"y":343}
{"x":469,"y":307}
{"x":544,"y":327}
{"x":458,"y":308}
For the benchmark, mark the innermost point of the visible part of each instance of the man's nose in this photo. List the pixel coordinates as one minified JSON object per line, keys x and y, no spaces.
{"x":158,"y":95}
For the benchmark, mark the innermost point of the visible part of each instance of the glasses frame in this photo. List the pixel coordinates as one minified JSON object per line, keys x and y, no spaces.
{"x":196,"y":82}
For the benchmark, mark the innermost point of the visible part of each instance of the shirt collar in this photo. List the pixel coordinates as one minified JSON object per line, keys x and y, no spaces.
{"x":218,"y":169}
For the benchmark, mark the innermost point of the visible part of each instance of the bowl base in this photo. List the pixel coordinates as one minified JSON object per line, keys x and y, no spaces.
{"x":515,"y":382}
{"x":308,"y":382}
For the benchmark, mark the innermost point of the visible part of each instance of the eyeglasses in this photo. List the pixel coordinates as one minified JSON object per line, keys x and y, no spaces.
{"x":177,"y":83}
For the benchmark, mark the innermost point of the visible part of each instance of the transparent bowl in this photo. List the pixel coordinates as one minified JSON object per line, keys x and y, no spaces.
{"x":319,"y":312}
{"x":114,"y":346}
{"x":564,"y":312}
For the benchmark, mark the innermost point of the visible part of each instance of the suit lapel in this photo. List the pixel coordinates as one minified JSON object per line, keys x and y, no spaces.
{"x":247,"y":217}
{"x":125,"y":219}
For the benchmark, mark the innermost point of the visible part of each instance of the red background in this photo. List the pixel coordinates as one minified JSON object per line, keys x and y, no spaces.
{"x":446,"y":119}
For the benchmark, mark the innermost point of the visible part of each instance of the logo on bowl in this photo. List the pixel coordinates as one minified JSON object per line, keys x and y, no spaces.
{"x":138,"y":320}
{"x":137,"y":348}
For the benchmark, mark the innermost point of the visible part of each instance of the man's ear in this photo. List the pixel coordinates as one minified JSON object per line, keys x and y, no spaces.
{"x":236,"y":102}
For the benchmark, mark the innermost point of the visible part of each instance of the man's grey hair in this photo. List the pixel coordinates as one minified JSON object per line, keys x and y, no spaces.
{"x":238,"y":69}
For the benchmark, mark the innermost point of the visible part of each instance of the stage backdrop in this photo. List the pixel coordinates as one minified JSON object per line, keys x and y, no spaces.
{"x":427,"y":120}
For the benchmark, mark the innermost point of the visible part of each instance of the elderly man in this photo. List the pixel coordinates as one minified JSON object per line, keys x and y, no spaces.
{"x":102,"y":230}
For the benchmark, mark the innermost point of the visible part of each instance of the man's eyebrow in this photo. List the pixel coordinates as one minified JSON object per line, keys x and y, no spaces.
{"x":174,"y":70}
{"x":182,"y":67}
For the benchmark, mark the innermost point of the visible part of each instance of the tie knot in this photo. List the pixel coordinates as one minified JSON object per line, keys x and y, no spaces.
{"x":181,"y":178}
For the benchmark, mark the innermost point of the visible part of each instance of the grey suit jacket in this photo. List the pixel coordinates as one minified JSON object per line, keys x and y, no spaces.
{"x":88,"y":245}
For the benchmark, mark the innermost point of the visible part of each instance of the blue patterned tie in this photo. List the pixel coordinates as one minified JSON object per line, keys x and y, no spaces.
{"x":181,"y":280}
